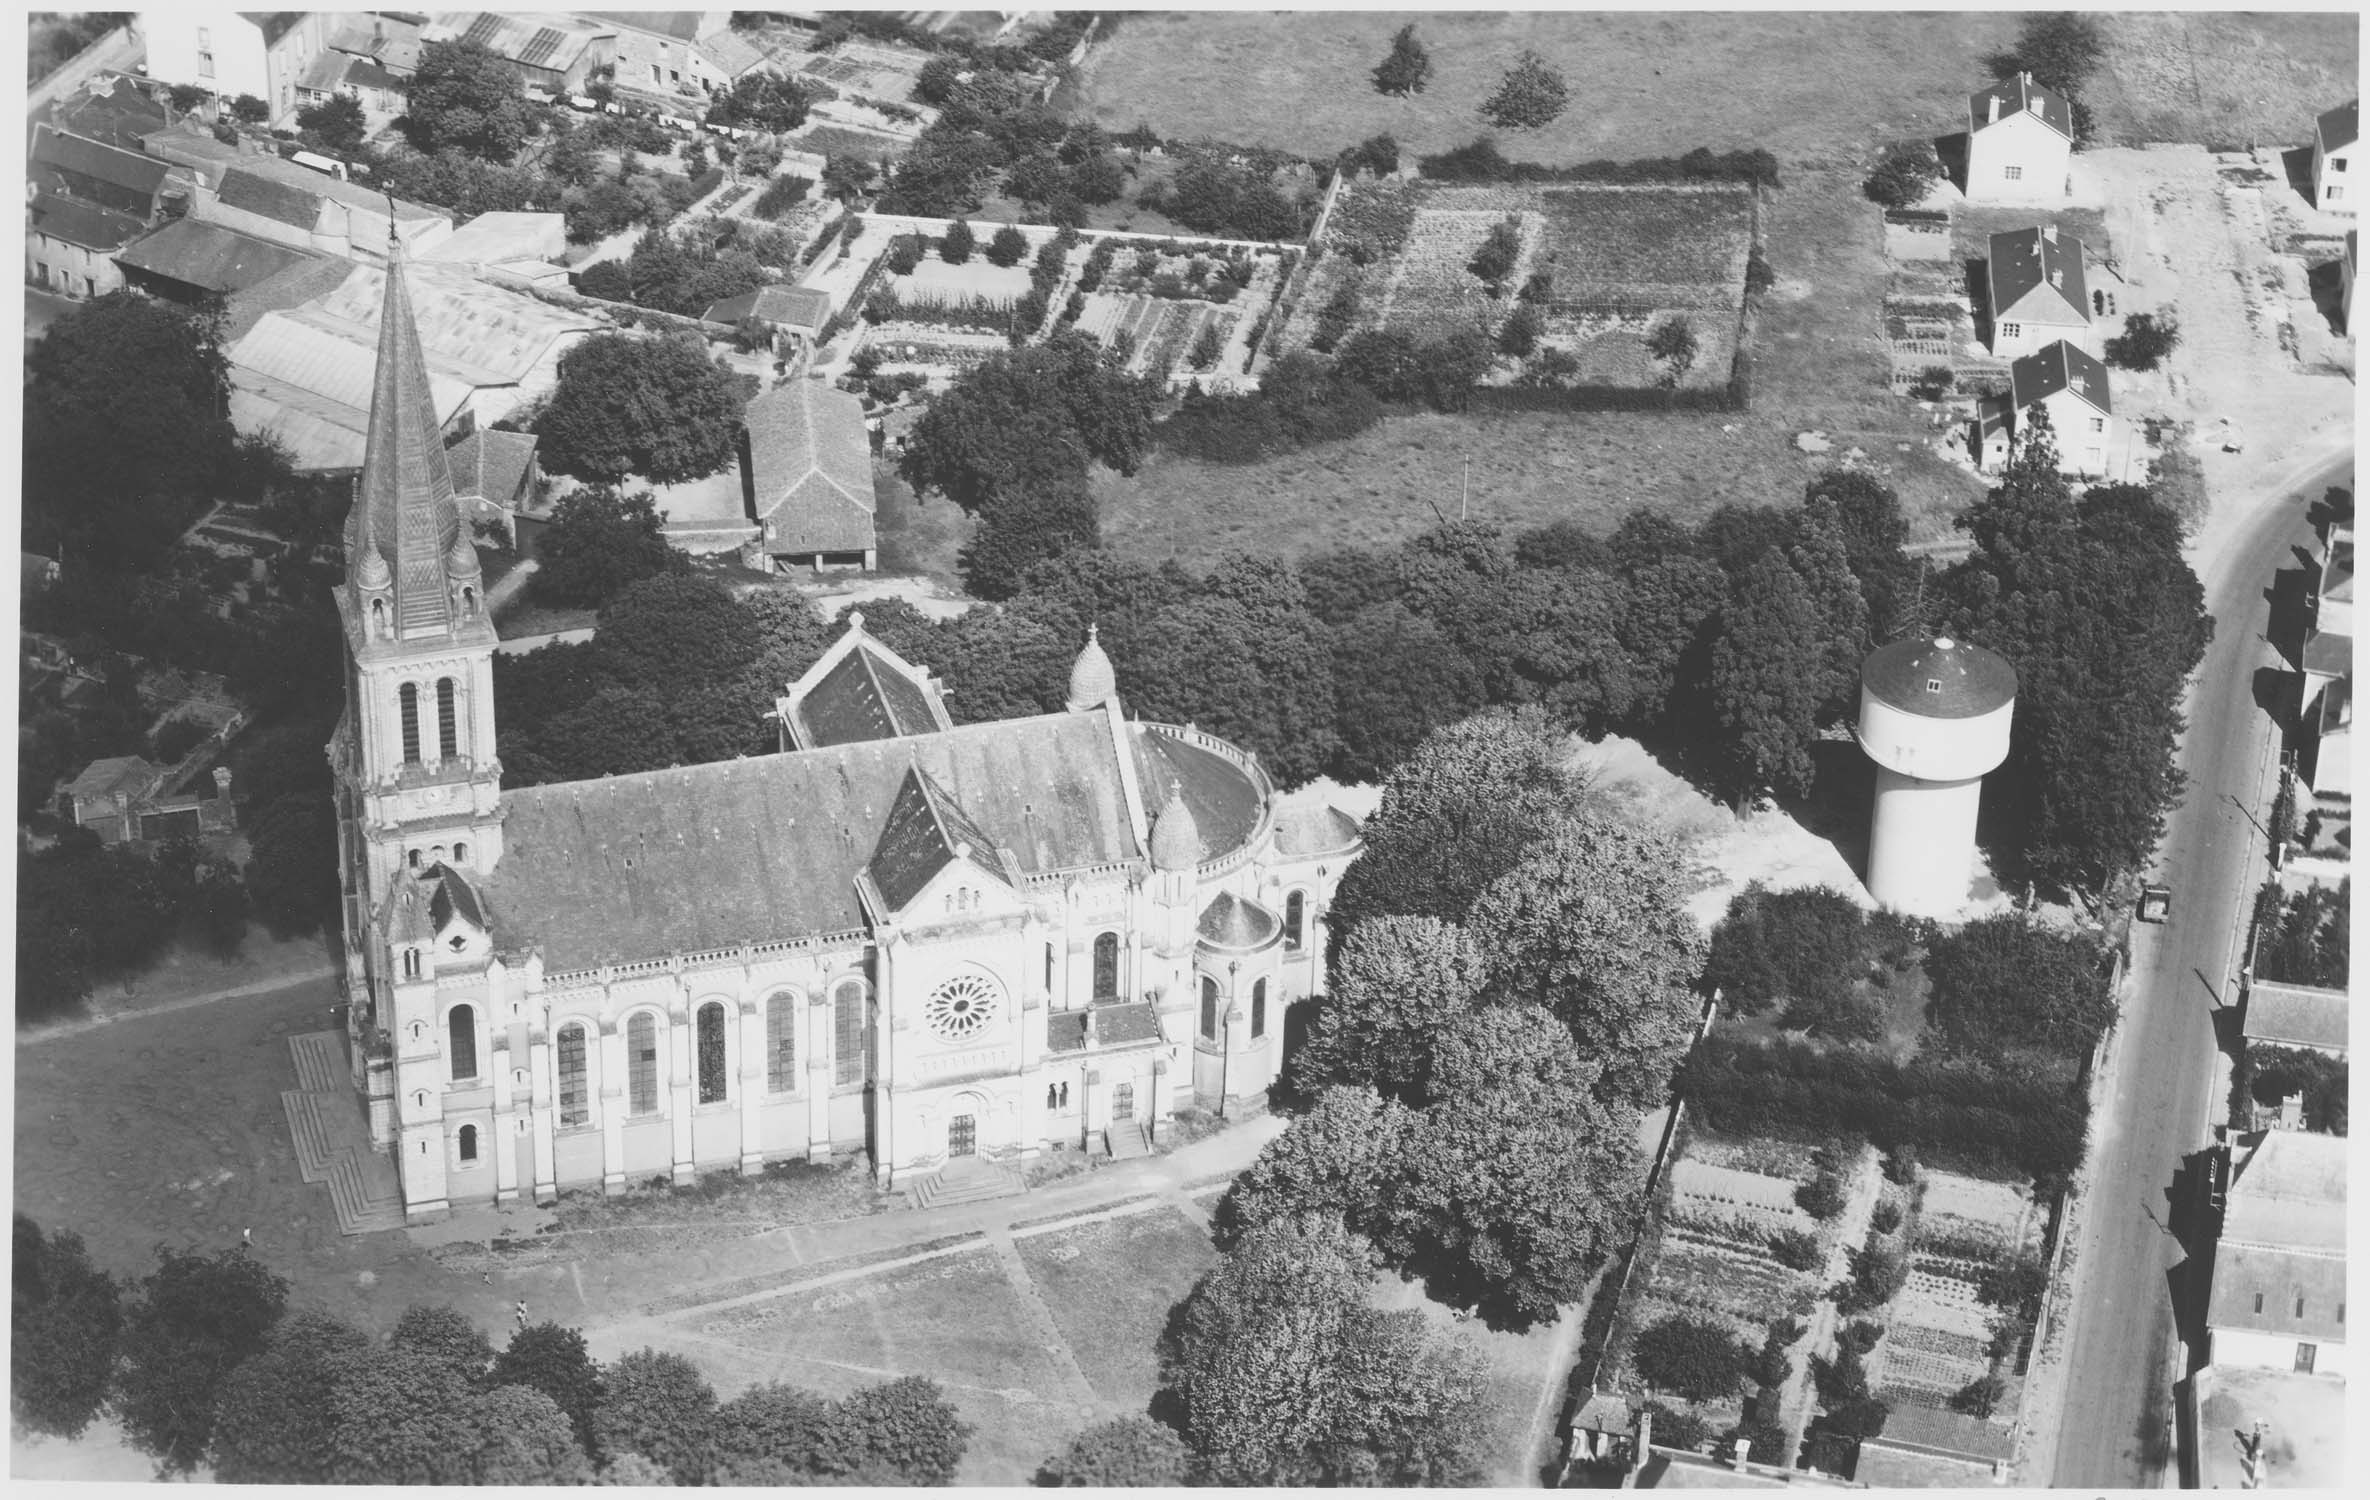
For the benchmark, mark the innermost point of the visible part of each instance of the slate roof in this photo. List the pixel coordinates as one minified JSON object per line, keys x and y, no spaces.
{"x":807,"y":477}
{"x":119,"y":116}
{"x":2329,"y":654}
{"x":392,"y":40}
{"x":129,"y":170}
{"x":730,"y":52}
{"x":790,"y":306}
{"x":865,"y":697}
{"x":490,"y":464}
{"x":2337,"y":570}
{"x":102,"y":778}
{"x":325,"y":72}
{"x":1236,"y":925}
{"x":1120,"y":1025}
{"x":2297,"y":1015}
{"x":292,"y":286}
{"x":83,"y":224}
{"x":282,"y":202}
{"x":364,"y":73}
{"x":926,"y":831}
{"x":455,"y":897}
{"x":2023,"y":262}
{"x":1225,"y":802}
{"x":1065,"y":1031}
{"x":2019,"y":95}
{"x":212,"y":257}
{"x":1306,"y":832}
{"x":1973,"y":681}
{"x":2341,"y":126}
{"x":2060,"y":367}
{"x":768,"y":848}
{"x":274,"y":24}
{"x":546,"y":41}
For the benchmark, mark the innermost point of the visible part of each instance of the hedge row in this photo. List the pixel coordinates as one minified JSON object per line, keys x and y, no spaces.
{"x":1481,"y":161}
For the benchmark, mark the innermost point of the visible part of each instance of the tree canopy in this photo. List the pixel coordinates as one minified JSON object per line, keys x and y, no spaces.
{"x":601,"y":541}
{"x":656,"y":408}
{"x":1533,"y":93}
{"x":1393,"y":984}
{"x":466,"y":98}
{"x":64,"y":1316}
{"x":188,"y":1325}
{"x":1129,"y":1452}
{"x":1407,"y":68}
{"x":660,"y":1406}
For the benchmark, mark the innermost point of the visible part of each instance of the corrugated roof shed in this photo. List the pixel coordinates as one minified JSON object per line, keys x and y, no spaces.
{"x":83,"y":224}
{"x":288,"y":349}
{"x":291,"y":286}
{"x":470,"y":330}
{"x":212,"y":257}
{"x":809,"y":469}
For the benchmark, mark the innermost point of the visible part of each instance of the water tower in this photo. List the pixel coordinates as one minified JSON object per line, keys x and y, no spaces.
{"x":1934,"y":717}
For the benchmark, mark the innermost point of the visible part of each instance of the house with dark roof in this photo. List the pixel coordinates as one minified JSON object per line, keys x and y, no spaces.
{"x":806,"y":478}
{"x":946,"y":948}
{"x":109,"y":109}
{"x":387,"y":39}
{"x":495,"y":478}
{"x":109,"y":177}
{"x":2035,"y":291}
{"x":2278,"y":1296}
{"x":190,"y":259}
{"x":272,"y":199}
{"x":122,"y":800}
{"x":234,"y":52}
{"x":70,"y":247}
{"x":2298,"y":1015}
{"x":2069,"y":386}
{"x":789,"y":313}
{"x":2334,"y":136}
{"x":2020,"y":142}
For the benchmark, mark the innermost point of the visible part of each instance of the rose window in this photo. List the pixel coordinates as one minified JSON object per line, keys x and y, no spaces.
{"x":961,"y":1006}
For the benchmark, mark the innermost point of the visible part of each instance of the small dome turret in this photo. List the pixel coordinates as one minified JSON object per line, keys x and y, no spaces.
{"x":461,"y":561}
{"x":1092,"y":682}
{"x":371,"y":572}
{"x":1176,"y":839}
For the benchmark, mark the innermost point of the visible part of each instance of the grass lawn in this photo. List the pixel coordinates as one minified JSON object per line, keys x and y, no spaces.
{"x":2220,"y":78}
{"x":913,"y":535}
{"x":1801,"y":84}
{"x":1110,"y":1285}
{"x":1520,"y":1366}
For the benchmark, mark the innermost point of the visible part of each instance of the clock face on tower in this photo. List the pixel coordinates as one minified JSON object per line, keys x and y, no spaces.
{"x":961,"y":1006}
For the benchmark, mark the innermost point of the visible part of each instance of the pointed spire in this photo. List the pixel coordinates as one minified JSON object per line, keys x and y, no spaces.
{"x":1092,"y":682}
{"x":404,"y":507}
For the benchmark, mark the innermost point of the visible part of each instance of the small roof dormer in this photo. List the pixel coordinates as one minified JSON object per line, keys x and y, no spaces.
{"x":859,"y":689}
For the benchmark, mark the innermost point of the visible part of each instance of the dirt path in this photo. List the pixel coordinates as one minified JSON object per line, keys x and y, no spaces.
{"x":1798,"y":1402}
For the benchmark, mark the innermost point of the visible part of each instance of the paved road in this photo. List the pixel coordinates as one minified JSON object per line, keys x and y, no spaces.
{"x":2120,"y":1327}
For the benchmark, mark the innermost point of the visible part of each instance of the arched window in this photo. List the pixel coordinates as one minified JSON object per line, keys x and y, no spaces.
{"x":847,"y":1034}
{"x":1209,"y":1010}
{"x":1259,"y":1009}
{"x":468,"y":600}
{"x":575,"y":1098}
{"x":1106,"y":966}
{"x":411,"y":963}
{"x":462,"y":1027}
{"x":378,"y":619}
{"x":408,"y":696}
{"x":448,"y":724}
{"x":412,"y":858}
{"x":711,"y":1053}
{"x":460,"y":854}
{"x":468,"y":1143}
{"x":641,"y":1064}
{"x":1295,"y":919}
{"x":781,"y":1044}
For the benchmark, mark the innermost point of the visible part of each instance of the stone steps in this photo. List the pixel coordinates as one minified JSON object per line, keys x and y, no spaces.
{"x":1126,"y":1141}
{"x":974,"y":1185}
{"x":314,"y":1153}
{"x":332,"y":1140}
{"x":321,"y":1062}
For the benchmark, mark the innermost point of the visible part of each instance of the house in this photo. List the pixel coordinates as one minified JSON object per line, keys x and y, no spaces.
{"x":120,"y":800}
{"x":2036,"y":291}
{"x":557,"y":54}
{"x":2334,"y":135}
{"x":674,"y":54}
{"x":2067,"y":384}
{"x":70,"y":246}
{"x":806,"y":477}
{"x":2278,"y":1299}
{"x":234,"y":52}
{"x":2326,"y":694}
{"x":189,"y":260}
{"x":109,"y":109}
{"x":361,"y":79}
{"x":108,"y":177}
{"x":788,"y":312}
{"x":495,"y":478}
{"x":387,"y":39}
{"x":278,"y":200}
{"x":2020,"y":142}
{"x":2297,"y":1015}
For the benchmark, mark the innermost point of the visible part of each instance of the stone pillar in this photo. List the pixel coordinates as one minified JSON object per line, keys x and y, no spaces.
{"x":613,"y":1104}
{"x":753,"y":1065}
{"x":1093,"y":1107}
{"x":542,"y":1083}
{"x":1231,"y":1029}
{"x":682,"y":1097}
{"x":1161,"y":1107}
{"x":818,"y":1076}
{"x":504,"y":1129}
{"x":884,"y":1140}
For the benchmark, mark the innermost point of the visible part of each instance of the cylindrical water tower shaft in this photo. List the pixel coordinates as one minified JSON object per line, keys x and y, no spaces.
{"x":1934,"y":716}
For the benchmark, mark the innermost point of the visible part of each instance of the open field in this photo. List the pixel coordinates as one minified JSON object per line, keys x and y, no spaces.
{"x":1109,"y":1286}
{"x":2218,"y":78}
{"x":1643,"y":84}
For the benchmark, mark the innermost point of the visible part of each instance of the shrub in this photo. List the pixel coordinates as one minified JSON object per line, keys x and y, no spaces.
{"x":1532,"y":94}
{"x":1878,"y":1274}
{"x":1006,"y":246}
{"x":1797,"y":1249}
{"x":1494,"y":261}
{"x":905,"y":253}
{"x":2017,"y":1285}
{"x":1677,"y":1427}
{"x":1519,"y":335}
{"x":1978,"y":1397}
{"x":1821,"y":1197}
{"x":1207,"y":346}
{"x":1694,"y":1357}
{"x":1771,"y":1367}
{"x":1860,"y":1335}
{"x":955,"y":246}
{"x":2001,"y":979}
{"x":1905,"y":171}
{"x":1933,"y":382}
{"x":1900,"y":1165}
{"x":1809,"y":943}
{"x":780,"y":196}
{"x":2146,"y":340}
{"x":1334,"y":318}
{"x":1887,"y":1217}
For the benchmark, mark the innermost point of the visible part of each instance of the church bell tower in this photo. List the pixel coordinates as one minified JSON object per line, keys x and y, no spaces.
{"x":418,"y":784}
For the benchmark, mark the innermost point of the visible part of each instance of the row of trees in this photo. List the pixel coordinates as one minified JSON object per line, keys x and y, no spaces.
{"x":203,"y":1363}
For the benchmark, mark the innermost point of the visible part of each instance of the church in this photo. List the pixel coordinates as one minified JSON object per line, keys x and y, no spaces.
{"x":896,"y":936}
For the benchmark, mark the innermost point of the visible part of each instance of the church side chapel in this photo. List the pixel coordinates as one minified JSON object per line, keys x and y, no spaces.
{"x":898,"y":936}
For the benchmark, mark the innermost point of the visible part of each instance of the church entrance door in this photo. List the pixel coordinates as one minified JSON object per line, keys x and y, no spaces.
{"x":1123,"y":1101}
{"x":962,"y":1135}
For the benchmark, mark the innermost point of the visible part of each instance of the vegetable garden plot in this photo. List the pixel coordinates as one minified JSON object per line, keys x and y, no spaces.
{"x":1621,"y":243}
{"x":1732,"y":1185}
{"x":1431,"y":289}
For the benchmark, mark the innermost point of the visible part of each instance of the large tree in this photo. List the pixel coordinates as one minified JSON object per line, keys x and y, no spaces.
{"x":1343,"y":1158}
{"x":554,"y":1360}
{"x":774,"y":1433}
{"x":1397,"y":676}
{"x":599,"y":542}
{"x":336,"y":123}
{"x":1516,"y":1179}
{"x":764,"y":100}
{"x":906,"y":1431}
{"x":1822,"y":557}
{"x":276,"y":1414}
{"x":64,"y":1314}
{"x":656,"y":408}
{"x":466,"y":98}
{"x":1285,"y":1376}
{"x":1592,"y":926}
{"x":522,"y":1437}
{"x":1408,"y":67}
{"x":1394,"y":983}
{"x":2094,"y":606}
{"x":1129,"y":1452}
{"x":1531,"y":94}
{"x":1769,"y":670}
{"x":127,"y":430}
{"x":1034,"y":417}
{"x":400,"y":1416}
{"x":660,"y":1406}
{"x":189,"y":1325}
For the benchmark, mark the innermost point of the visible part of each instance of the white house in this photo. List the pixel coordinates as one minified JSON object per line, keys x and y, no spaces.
{"x":2020,"y":142}
{"x":234,"y":52}
{"x":2037,"y":291}
{"x":2332,"y":153}
{"x":2278,"y":1298}
{"x":2071,"y":387}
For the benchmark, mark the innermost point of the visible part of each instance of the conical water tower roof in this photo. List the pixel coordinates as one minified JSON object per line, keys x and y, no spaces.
{"x":1939,"y":679}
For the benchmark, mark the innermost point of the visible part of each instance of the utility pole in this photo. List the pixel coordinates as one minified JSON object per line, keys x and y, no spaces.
{"x":1465,"y":499}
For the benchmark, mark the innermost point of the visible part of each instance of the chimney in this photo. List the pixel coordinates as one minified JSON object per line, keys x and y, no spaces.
{"x":1995,"y":109}
{"x":1743,"y":1452}
{"x":2049,"y":233}
{"x":2057,"y":278}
